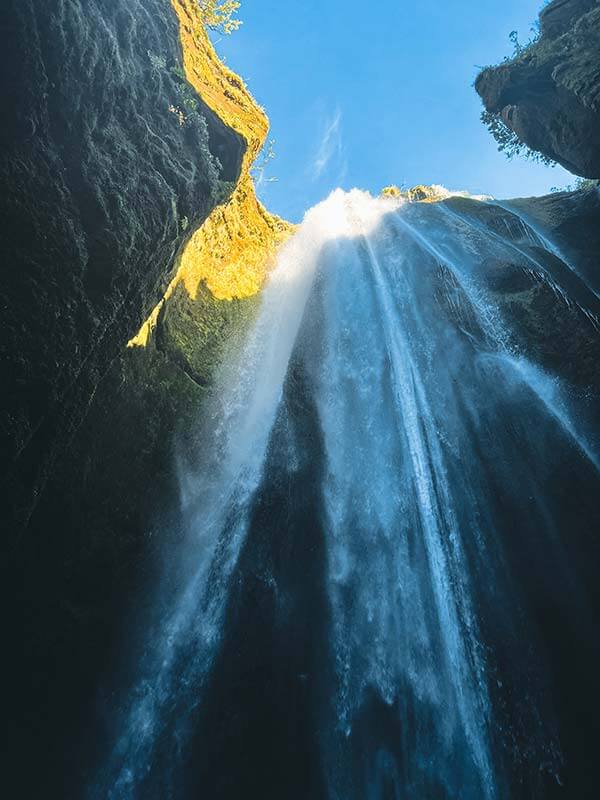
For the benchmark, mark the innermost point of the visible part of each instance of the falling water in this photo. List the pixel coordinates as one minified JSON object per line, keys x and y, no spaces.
{"x":385,"y":407}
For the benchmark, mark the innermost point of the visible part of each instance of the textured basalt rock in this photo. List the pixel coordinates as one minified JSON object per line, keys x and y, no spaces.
{"x":110,"y":161}
{"x":100,"y":181}
{"x":127,"y":196}
{"x":549,"y":95}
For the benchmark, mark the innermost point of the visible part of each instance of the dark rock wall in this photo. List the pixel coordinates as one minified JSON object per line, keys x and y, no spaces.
{"x":99,"y":181}
{"x":549,"y":95}
{"x":90,"y":559}
{"x":100,"y":185}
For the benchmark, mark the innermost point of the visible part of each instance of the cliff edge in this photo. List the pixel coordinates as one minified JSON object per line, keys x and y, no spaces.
{"x":548,"y":95}
{"x":101,"y":184}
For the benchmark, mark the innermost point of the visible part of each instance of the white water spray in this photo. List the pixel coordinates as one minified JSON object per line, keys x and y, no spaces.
{"x":399,"y":311}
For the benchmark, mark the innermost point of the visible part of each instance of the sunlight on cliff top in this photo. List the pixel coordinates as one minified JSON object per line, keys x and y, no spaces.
{"x":234,"y":248}
{"x":433,"y":193}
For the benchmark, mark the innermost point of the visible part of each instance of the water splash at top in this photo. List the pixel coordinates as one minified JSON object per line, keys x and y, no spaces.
{"x":386,"y":403}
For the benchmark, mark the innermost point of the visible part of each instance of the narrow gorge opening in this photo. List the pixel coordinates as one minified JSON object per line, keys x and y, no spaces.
{"x":300,"y":505}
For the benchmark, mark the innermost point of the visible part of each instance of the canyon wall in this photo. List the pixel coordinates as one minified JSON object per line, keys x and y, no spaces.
{"x":549,"y":93}
{"x":133,"y":249}
{"x":128,"y":216}
{"x":102,"y":183}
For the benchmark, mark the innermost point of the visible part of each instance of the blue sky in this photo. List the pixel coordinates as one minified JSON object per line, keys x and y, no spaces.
{"x":371,"y":93}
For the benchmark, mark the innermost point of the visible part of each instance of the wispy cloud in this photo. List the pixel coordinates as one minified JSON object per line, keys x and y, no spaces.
{"x":330,"y":144}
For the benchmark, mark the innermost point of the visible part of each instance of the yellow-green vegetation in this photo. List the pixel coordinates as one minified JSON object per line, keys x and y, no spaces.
{"x":417,"y":194}
{"x":220,"y":15}
{"x":391,"y":191}
{"x":233,"y":250}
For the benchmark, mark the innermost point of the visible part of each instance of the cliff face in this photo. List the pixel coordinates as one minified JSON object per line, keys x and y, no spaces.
{"x":549,"y":95}
{"x":128,"y":214}
{"x":231,"y":252}
{"x":101,"y":179}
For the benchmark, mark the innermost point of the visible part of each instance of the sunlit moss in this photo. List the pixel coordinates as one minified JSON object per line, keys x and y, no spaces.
{"x":234,"y":248}
{"x":424,"y":194}
{"x":416,"y":194}
{"x":391,"y":191}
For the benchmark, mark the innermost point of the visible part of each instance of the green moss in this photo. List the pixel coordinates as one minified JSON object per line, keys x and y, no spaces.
{"x":119,"y":480}
{"x":194,"y":334}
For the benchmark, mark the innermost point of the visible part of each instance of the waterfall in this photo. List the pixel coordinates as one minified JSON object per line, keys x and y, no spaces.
{"x":387,"y":405}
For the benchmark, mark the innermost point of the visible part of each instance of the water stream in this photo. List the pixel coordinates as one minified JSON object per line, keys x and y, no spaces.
{"x":387,"y":509}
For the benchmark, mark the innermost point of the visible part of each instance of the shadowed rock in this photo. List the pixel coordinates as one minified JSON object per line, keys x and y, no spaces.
{"x":549,"y":95}
{"x":99,"y":179}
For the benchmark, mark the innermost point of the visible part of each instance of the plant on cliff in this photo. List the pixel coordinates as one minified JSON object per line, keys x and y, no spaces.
{"x":508,"y":141}
{"x":579,"y":185}
{"x":261,"y":164}
{"x":520,"y":48}
{"x":218,"y":15}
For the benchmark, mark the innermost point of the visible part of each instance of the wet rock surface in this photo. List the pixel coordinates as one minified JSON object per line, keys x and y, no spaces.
{"x":548,"y":288}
